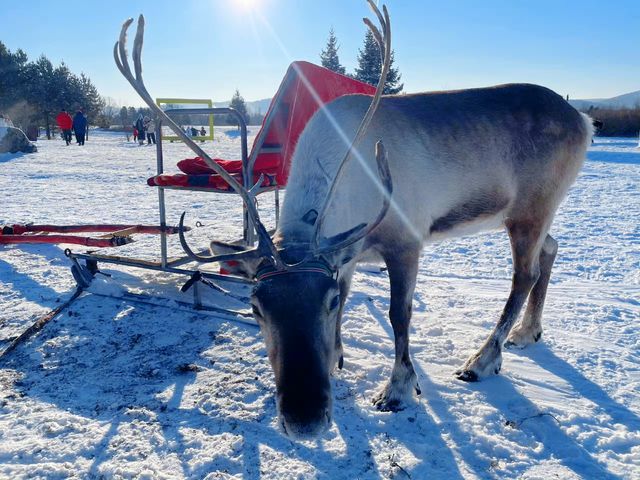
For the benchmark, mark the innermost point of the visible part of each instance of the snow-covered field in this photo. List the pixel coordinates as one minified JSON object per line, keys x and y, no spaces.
{"x":112,"y":389}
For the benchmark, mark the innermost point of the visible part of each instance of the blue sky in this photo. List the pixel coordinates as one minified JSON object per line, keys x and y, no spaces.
{"x":207,"y":48}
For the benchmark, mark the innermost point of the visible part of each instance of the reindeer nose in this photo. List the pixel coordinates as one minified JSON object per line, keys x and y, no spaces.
{"x":304,"y":415}
{"x":307,"y":430}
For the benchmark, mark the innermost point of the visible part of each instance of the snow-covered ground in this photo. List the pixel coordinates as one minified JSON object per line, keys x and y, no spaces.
{"x":112,"y":389}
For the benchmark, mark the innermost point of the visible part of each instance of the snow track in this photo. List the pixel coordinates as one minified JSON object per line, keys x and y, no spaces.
{"x":119,"y":389}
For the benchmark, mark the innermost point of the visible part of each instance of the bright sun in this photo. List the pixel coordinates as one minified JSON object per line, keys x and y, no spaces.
{"x":247,"y":4}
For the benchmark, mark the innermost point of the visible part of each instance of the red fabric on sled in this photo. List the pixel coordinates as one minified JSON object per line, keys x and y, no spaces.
{"x":214,"y":182}
{"x":197,"y":166}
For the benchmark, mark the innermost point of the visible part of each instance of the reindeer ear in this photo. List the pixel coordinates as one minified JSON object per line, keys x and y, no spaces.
{"x":243,"y":267}
{"x":310,"y":217}
{"x":341,"y":257}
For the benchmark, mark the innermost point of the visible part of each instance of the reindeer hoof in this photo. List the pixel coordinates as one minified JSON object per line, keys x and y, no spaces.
{"x":384,"y":405}
{"x":521,"y":337}
{"x":467,"y":375}
{"x":509,"y":345}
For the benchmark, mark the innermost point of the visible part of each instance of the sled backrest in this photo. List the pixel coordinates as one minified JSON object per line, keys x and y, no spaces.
{"x":305,"y":88}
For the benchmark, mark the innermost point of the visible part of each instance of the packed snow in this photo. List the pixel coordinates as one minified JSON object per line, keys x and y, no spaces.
{"x":118,"y":389}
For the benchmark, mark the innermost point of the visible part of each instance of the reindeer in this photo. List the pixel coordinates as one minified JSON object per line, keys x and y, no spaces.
{"x":461,"y":161}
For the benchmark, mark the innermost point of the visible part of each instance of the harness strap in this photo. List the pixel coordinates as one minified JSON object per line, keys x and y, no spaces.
{"x":312,"y":266}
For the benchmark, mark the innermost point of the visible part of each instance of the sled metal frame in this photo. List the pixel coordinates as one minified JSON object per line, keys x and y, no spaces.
{"x":248,"y":164}
{"x":171,"y":265}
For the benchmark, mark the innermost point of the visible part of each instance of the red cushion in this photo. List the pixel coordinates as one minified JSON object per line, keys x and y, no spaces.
{"x":197,"y":166}
{"x":214,"y":182}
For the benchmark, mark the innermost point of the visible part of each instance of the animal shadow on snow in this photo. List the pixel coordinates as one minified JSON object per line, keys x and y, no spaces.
{"x":8,"y":157}
{"x":627,"y":158}
{"x":30,"y":289}
{"x":547,"y":359}
{"x":24,"y":284}
{"x":117,"y":363}
{"x":500,"y":392}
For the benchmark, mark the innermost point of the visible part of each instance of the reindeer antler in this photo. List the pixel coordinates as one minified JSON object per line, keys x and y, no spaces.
{"x":265,"y":247}
{"x":357,"y":233}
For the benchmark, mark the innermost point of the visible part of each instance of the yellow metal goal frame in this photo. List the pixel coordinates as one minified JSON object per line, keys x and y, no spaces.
{"x":189,"y":101}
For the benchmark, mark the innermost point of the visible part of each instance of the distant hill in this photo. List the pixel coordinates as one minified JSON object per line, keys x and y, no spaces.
{"x":627,"y":100}
{"x":254,"y":107}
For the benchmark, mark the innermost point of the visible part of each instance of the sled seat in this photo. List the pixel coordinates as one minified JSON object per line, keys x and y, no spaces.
{"x":304,"y":90}
{"x":197,"y":175}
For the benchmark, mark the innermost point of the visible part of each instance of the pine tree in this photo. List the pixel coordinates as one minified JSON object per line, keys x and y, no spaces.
{"x":132,"y":114}
{"x":329,"y":56}
{"x":42,"y":90}
{"x":32,"y":93}
{"x":12,"y":84}
{"x":370,"y":66}
{"x":237,"y":102}
{"x":92,"y":101}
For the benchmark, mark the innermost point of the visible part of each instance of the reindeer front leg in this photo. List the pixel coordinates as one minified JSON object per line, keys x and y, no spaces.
{"x":403,"y":268}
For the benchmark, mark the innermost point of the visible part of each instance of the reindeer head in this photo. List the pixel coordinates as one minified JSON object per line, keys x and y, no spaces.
{"x":297,"y":299}
{"x":297,"y":310}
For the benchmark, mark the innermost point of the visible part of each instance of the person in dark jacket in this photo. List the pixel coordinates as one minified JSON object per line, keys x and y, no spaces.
{"x":80,"y":126}
{"x":65,"y":123}
{"x":141,"y":130}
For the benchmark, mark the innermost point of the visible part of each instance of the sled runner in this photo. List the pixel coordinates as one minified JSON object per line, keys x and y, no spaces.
{"x":112,"y":235}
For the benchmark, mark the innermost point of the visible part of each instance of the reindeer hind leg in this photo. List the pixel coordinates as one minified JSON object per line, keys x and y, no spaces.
{"x":526,"y":243}
{"x":529,"y":330}
{"x":345,"y":285}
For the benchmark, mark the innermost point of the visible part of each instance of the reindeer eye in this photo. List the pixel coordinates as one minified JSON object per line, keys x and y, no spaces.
{"x":256,"y":311}
{"x":335,"y":301}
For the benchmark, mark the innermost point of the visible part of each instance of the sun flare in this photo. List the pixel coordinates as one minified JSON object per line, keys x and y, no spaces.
{"x":246,"y":5}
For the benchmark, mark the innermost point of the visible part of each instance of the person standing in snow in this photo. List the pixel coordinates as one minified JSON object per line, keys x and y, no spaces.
{"x":65,"y":123}
{"x":150,"y":127}
{"x":140,"y":126}
{"x":80,"y":127}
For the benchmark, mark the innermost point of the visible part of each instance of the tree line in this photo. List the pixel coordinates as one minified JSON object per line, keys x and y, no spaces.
{"x":616,"y":122}
{"x":33,"y":92}
{"x":125,"y":117}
